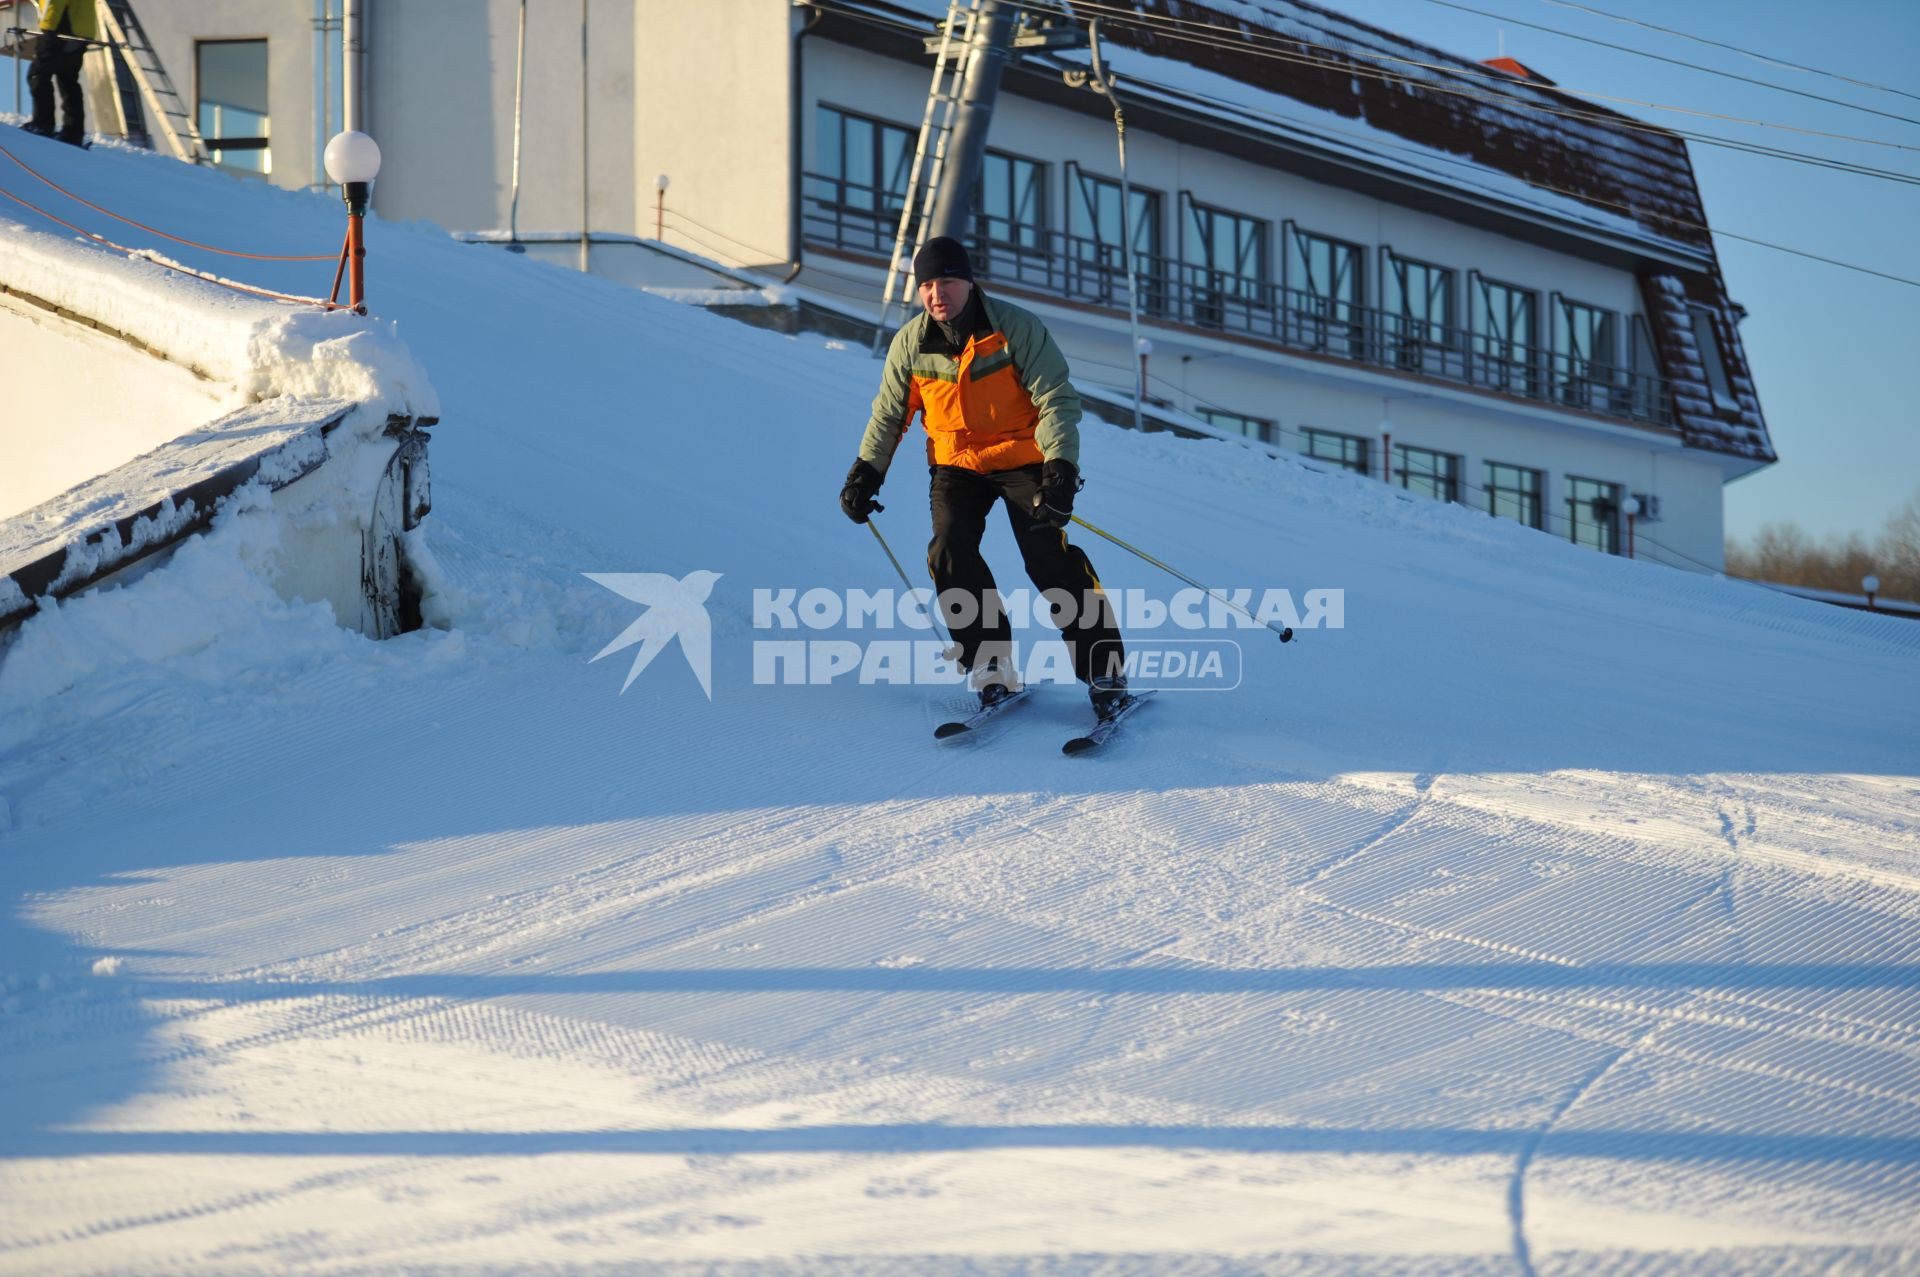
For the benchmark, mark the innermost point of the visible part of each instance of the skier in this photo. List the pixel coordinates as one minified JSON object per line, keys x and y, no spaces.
{"x":1002,"y":423}
{"x":60,"y":51}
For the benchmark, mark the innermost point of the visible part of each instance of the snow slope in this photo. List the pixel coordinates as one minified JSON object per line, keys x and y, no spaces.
{"x":1558,"y":914}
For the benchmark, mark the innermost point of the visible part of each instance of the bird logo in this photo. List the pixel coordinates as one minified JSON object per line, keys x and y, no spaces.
{"x":675,"y":609}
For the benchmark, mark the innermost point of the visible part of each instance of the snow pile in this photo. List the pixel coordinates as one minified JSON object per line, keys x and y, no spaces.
{"x":263,"y":348}
{"x":209,"y":618}
{"x":316,"y":355}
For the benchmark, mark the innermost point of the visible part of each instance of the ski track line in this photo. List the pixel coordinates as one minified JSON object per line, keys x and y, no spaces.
{"x":1398,"y":820}
{"x":1517,"y":1184}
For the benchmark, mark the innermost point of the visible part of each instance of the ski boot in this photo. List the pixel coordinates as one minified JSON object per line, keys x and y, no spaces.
{"x":993,"y":683}
{"x":1108,"y":695}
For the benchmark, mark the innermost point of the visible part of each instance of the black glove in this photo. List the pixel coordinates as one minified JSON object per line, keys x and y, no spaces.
{"x":1053,"y":504}
{"x":856,"y":499}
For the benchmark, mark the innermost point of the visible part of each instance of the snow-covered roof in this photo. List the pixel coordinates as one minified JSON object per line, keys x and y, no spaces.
{"x":1303,"y":74}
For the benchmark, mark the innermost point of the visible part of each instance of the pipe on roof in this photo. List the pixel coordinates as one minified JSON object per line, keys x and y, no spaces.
{"x":353,"y":68}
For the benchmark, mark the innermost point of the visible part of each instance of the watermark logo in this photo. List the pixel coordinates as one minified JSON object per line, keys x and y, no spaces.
{"x":1181,"y":664}
{"x":1171,"y":644}
{"x":676,"y":608}
{"x":823,"y":636}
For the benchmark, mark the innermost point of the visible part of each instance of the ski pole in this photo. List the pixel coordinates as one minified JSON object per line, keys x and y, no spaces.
{"x":902,"y":573}
{"x":1284,"y":631}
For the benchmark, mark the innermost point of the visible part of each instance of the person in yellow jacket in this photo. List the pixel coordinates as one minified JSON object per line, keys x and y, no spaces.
{"x":1003,"y":424}
{"x":66,"y":26}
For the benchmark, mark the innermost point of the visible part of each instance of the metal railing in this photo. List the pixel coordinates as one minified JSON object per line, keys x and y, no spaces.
{"x":851,"y":217}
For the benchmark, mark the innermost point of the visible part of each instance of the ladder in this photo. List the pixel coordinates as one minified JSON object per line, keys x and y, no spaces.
{"x":138,"y":74}
{"x":929,"y":159}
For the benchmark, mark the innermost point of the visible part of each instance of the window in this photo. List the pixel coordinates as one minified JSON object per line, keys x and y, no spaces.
{"x":1251,"y":427}
{"x":1513,"y":492}
{"x":1325,"y":293}
{"x":1435,"y":473}
{"x":231,"y":86}
{"x":1643,"y":368}
{"x":1583,"y":353}
{"x":861,"y":183}
{"x":1349,"y":452}
{"x":1706,"y":339}
{"x":1011,"y":203}
{"x":1593,"y":511}
{"x":1505,"y":324}
{"x":1226,"y":263}
{"x":1095,"y":255}
{"x":1419,"y":311}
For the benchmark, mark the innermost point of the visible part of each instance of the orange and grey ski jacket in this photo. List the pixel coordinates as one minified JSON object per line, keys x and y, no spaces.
{"x":1003,"y":401}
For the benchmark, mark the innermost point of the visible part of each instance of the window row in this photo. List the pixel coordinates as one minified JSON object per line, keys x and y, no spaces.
{"x":1593,"y":506}
{"x":1430,"y":318}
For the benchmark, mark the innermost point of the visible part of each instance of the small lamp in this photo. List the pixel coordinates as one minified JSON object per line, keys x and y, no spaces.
{"x":660,"y":207}
{"x":353,"y":160}
{"x":1870,"y":586}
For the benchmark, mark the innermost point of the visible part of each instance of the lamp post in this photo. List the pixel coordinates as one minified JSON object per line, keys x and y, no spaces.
{"x":1870,"y":586}
{"x":353,"y":160}
{"x":1631,"y":507}
{"x":660,"y":207}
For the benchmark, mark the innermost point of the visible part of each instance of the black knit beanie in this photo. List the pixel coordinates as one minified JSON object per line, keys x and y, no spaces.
{"x":941,"y":258}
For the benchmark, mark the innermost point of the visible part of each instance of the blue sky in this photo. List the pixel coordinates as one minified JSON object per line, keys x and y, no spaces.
{"x":1834,"y":353}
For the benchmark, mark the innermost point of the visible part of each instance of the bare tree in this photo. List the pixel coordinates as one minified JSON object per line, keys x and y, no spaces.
{"x":1783,"y":552}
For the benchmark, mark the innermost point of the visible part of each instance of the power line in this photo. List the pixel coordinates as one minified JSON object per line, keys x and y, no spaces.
{"x":1460,"y":162}
{"x":1612,"y":120}
{"x":1502,"y":78}
{"x":1678,"y":62}
{"x":1430,"y":154}
{"x":1734,"y":48}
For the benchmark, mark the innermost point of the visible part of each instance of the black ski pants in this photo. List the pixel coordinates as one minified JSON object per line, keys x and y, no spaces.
{"x":57,"y":63}
{"x":961,"y":502}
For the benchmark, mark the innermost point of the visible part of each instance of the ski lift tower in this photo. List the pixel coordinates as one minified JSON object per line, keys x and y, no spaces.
{"x":976,"y":41}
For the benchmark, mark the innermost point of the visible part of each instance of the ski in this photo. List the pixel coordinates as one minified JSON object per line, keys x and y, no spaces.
{"x":959,"y":727}
{"x":1105,"y":727}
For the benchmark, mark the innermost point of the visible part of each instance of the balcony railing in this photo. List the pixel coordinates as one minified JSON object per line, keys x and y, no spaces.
{"x":848,"y":216}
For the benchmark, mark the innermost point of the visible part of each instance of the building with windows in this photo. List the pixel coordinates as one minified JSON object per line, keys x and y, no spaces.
{"x":1430,"y":271}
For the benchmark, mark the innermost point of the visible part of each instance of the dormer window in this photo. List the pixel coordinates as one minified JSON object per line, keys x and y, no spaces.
{"x":1706,"y":339}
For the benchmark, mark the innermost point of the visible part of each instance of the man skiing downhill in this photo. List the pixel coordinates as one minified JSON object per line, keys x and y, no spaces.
{"x":1003,"y":423}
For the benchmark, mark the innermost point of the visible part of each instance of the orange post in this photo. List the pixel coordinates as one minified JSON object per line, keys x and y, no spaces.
{"x":357,"y":263}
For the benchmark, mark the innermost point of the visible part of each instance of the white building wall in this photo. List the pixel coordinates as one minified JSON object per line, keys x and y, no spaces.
{"x":438,"y":95}
{"x":713,"y":102}
{"x":440,"y":101}
{"x":286,"y":26}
